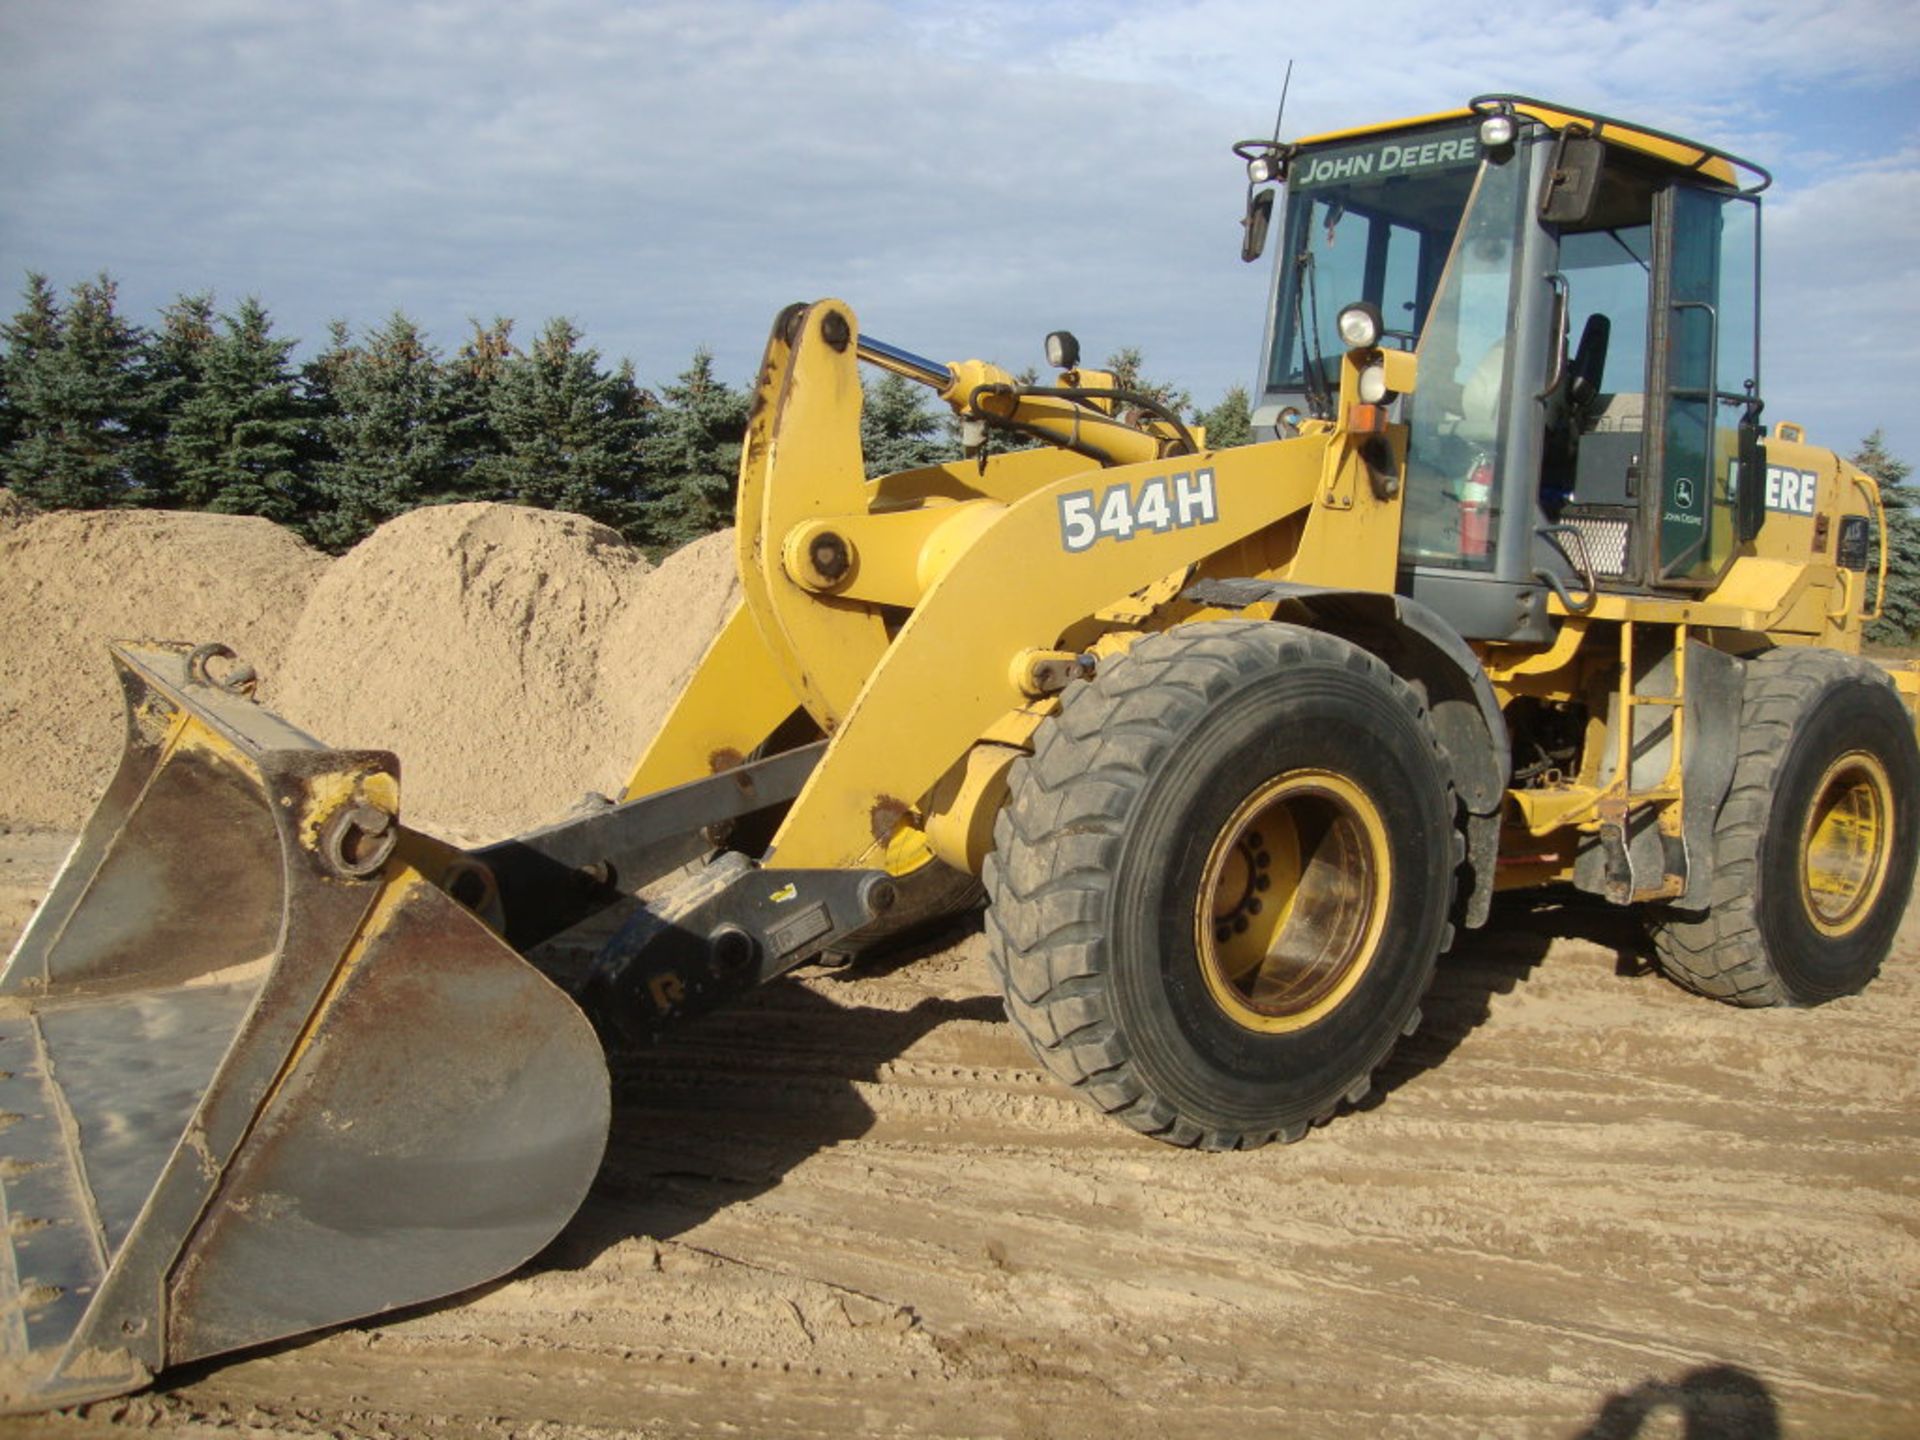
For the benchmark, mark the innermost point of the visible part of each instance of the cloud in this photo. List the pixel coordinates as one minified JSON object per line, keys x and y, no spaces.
{"x":670,"y":173}
{"x":1397,"y":54}
{"x":1842,"y":283}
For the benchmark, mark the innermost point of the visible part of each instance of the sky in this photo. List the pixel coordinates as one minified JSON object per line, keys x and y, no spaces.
{"x":670,"y":173}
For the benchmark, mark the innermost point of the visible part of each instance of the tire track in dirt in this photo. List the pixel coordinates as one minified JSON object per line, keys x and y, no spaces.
{"x":853,"y":1204}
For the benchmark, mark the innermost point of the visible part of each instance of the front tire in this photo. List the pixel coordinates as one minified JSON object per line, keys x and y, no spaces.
{"x":1222,"y":879}
{"x":1814,"y":846}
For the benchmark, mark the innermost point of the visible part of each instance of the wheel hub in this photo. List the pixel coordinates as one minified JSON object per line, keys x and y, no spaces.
{"x":1843,"y":848}
{"x":1292,"y":901}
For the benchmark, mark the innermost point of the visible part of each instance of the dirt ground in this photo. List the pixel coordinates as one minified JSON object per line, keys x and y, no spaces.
{"x":1583,"y":1204}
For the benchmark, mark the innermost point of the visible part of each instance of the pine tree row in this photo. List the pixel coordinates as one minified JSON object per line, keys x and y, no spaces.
{"x":208,"y":411}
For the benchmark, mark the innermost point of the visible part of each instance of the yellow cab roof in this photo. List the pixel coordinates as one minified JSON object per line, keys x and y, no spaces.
{"x":1671,"y":149}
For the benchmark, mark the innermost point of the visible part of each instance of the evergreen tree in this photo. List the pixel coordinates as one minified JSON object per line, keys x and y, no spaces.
{"x":320,"y":376}
{"x":31,"y":336}
{"x":177,"y":351}
{"x":78,"y":401}
{"x":471,"y":378}
{"x":319,"y":386}
{"x":237,"y":441}
{"x":899,"y":430}
{"x":1890,"y":471}
{"x":1128,"y":367}
{"x":485,"y":355}
{"x":176,"y":367}
{"x":1899,"y":621}
{"x":570,"y":433}
{"x":395,"y":430}
{"x":1230,"y":422}
{"x":693,"y":456}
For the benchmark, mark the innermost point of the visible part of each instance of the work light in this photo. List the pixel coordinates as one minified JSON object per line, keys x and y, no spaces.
{"x":1360,"y":325}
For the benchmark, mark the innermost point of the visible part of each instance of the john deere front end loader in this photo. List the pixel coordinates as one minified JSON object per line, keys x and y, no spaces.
{"x":1513,"y":589}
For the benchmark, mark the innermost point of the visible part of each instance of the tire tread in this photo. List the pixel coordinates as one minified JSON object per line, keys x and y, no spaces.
{"x":1721,"y":952}
{"x":1045,"y":934}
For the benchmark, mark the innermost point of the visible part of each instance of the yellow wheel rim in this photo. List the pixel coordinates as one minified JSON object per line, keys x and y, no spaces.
{"x":1843,"y":848}
{"x":1292,"y":901}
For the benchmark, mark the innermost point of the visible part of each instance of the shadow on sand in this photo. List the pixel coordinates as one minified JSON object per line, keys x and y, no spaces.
{"x":1718,"y":1402}
{"x":722,"y":1109}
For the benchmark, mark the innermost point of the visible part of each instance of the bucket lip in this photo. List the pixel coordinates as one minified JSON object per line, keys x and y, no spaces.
{"x":167,"y":666}
{"x":95,"y":1375}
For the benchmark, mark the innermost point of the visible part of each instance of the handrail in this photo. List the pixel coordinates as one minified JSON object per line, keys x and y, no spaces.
{"x":1584,"y":565}
{"x":1872,"y":492}
{"x":1501,"y":101}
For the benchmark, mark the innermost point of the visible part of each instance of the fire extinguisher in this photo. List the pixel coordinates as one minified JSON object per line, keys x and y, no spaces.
{"x":1476,"y":498}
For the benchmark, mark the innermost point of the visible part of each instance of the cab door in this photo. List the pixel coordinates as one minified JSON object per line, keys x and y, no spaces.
{"x":1705,"y":381}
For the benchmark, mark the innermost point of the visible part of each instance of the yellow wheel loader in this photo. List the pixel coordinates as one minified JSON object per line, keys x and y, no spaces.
{"x":1512,"y":589}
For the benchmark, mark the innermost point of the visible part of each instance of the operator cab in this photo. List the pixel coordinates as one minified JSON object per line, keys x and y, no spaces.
{"x":1582,"y":296}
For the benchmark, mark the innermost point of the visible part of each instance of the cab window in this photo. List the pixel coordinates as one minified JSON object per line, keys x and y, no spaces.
{"x":1456,"y":416}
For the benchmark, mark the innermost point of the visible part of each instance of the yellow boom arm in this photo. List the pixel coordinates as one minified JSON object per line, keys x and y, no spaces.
{"x":910,"y":616}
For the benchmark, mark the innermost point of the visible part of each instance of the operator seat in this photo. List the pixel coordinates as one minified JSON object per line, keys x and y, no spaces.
{"x":1589,"y":363}
{"x":1567,"y":414}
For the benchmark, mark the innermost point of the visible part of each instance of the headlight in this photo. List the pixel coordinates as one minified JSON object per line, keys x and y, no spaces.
{"x":1360,"y":325}
{"x":1373,"y":385}
{"x":1260,"y":170}
{"x":1496,"y":131}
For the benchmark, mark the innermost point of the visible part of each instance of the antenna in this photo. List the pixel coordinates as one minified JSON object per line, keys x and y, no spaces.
{"x":1280,"y":114}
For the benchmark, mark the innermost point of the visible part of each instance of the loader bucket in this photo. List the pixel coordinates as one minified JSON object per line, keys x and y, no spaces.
{"x":258,"y":1073}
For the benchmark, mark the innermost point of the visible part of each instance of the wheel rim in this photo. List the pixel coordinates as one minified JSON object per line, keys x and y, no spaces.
{"x":1844,"y":845}
{"x":1292,"y":901}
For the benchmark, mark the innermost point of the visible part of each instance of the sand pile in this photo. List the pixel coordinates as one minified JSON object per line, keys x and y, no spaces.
{"x":74,"y":580}
{"x":466,"y":639}
{"x":671,"y":617}
{"x":14,"y":510}
{"x":513,"y":658}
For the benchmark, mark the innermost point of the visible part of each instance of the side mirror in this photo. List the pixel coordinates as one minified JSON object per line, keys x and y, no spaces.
{"x":1573,"y":182}
{"x":1259,"y":215}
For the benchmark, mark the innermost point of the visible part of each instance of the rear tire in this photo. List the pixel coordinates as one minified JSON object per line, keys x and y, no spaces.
{"x":1222,"y":879}
{"x":1814,"y":847}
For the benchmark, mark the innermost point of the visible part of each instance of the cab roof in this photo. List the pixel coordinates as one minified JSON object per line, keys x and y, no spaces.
{"x":1715,"y":164}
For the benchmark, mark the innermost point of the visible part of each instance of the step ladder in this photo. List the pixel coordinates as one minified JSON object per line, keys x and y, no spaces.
{"x":1620,"y":803}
